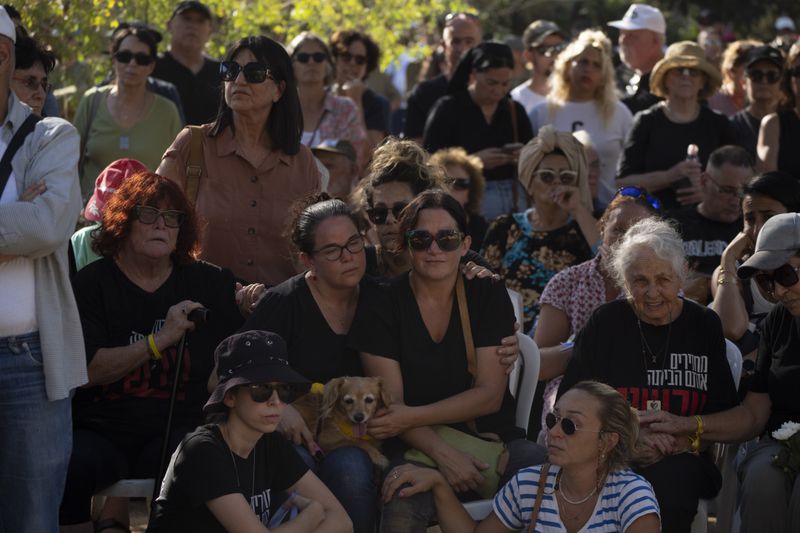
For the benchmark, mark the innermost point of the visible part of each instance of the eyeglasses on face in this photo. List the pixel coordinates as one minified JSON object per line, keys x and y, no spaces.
{"x":760,"y":76}
{"x":304,"y":57}
{"x":379,"y":214}
{"x":32,"y":83}
{"x":638,"y":192}
{"x":347,"y":57}
{"x":785,"y":276}
{"x":548,"y":176}
{"x":253,"y":72}
{"x":142,"y":59}
{"x":447,"y":240}
{"x":725,"y":189}
{"x":459,"y":184}
{"x":149,"y":215}
{"x":262,"y":392}
{"x":333,"y":252}
{"x":568,"y":425}
{"x":549,"y":50}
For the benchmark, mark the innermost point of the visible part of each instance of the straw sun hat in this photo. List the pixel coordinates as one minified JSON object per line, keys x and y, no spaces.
{"x":685,"y":54}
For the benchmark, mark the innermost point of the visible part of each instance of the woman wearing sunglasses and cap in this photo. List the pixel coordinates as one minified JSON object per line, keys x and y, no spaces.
{"x":224,"y":475}
{"x":591,"y":435}
{"x":411,"y":334}
{"x":769,"y":501}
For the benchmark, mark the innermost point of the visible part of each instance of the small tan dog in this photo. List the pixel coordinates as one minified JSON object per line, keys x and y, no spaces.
{"x":338,"y":417}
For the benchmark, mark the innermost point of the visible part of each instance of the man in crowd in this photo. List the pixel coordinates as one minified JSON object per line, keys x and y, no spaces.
{"x":641,"y":45}
{"x":461,"y":32}
{"x":185,"y":64}
{"x":543,"y":41}
{"x":339,"y":157}
{"x":708,"y":227}
{"x":42,"y":357}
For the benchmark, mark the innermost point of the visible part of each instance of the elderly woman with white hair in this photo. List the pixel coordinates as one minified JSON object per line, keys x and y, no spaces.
{"x":584,"y":97}
{"x":661,"y":352}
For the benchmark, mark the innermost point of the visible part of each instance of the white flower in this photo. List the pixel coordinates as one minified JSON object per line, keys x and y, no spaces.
{"x":786,"y":431}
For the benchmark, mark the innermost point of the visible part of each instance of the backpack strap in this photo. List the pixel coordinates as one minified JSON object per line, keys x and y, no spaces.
{"x":94,"y":104}
{"x":194,"y":166}
{"x":16,"y":142}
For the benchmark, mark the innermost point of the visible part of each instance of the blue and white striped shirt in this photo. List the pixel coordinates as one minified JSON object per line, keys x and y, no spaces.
{"x":624,"y":498}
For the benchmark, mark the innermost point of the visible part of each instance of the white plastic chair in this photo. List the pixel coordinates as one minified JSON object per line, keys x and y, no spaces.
{"x":513,"y":378}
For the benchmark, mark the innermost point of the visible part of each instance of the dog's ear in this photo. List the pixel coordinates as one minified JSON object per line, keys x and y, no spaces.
{"x":330,"y":396}
{"x":385,"y":397}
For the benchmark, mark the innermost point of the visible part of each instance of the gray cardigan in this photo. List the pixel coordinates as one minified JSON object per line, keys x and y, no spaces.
{"x":41,"y":230}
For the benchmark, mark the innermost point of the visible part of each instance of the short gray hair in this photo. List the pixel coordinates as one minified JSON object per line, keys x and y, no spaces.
{"x":656,"y":234}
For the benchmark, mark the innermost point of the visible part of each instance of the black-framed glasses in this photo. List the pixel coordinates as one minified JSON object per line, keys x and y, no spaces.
{"x":760,"y":76}
{"x":638,"y":192}
{"x":149,"y":215}
{"x":548,"y":176}
{"x":142,"y":59}
{"x":32,"y":83}
{"x":794,"y":72}
{"x":358,"y":59}
{"x":305,"y":57}
{"x":447,"y":240}
{"x":262,"y":392}
{"x":726,"y":189}
{"x":459,"y":184}
{"x":379,"y":214}
{"x":253,"y":72}
{"x":549,"y":50}
{"x":785,"y":276}
{"x":333,"y":252}
{"x":568,"y":425}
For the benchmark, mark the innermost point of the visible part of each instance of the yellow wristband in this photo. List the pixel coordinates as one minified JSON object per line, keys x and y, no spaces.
{"x":154,"y":353}
{"x":695,"y":440}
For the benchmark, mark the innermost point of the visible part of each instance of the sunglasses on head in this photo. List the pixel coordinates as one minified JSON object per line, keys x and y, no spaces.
{"x":459,"y":184}
{"x":378,"y":215}
{"x":638,"y":192}
{"x":567,"y":424}
{"x":262,"y":392}
{"x":149,"y":215}
{"x":347,"y":57}
{"x":565,"y":177}
{"x":785,"y":276}
{"x":447,"y":240}
{"x":142,"y":59}
{"x":304,"y":57}
{"x":253,"y":72}
{"x":759,"y":76}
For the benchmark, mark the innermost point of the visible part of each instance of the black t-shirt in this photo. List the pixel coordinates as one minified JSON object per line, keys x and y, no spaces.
{"x":315,"y":351}
{"x":656,"y":143}
{"x":693,"y":378}
{"x":200,"y":93}
{"x":389,"y":324}
{"x":204,"y":468}
{"x":477,"y":226}
{"x":420,"y":102}
{"x":788,"y":154}
{"x":641,"y":97}
{"x":376,"y":110}
{"x":456,"y":120}
{"x":778,"y":366}
{"x":115,"y":312}
{"x":704,"y":239}
{"x":746,"y":127}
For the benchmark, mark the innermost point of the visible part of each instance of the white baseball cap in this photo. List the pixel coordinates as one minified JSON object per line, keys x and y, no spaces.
{"x":641,"y":17}
{"x":7,"y":27}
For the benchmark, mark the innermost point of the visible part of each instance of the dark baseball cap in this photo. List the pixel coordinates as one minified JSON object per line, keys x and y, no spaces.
{"x":337,"y":146}
{"x":539,"y":30}
{"x":192,"y":5}
{"x":778,"y":241}
{"x":765,"y":53}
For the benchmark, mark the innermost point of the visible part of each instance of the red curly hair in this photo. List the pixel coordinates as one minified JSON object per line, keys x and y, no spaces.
{"x":150,"y":189}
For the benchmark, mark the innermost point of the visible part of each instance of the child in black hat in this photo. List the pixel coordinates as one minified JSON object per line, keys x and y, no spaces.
{"x":222,"y":475}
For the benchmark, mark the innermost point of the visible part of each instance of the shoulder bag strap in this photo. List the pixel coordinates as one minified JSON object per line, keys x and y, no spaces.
{"x":16,"y":142}
{"x":194,"y":166}
{"x":514,"y":186}
{"x":466,"y":327}
{"x":94,"y":104}
{"x":539,"y":497}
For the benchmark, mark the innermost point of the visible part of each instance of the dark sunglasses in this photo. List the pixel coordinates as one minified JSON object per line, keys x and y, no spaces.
{"x":567,"y":424}
{"x":459,"y":184}
{"x":333,"y":252}
{"x":794,"y":72}
{"x":447,"y":240}
{"x":688,"y":71}
{"x":141,"y":58}
{"x":759,"y":76}
{"x":347,"y":57}
{"x":149,"y":215}
{"x":549,"y":50}
{"x":638,"y":192}
{"x":262,"y":392}
{"x":785,"y":276}
{"x":565,"y":177}
{"x":378,"y":215}
{"x":32,"y":83}
{"x":253,"y":72}
{"x":304,"y":57}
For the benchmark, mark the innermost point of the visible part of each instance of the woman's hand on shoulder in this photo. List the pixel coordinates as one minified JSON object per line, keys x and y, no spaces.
{"x":391,"y":421}
{"x":508,"y":351}
{"x":472,"y":270}
{"x":421,"y":479}
{"x":461,"y":470}
{"x":248,"y":297}
{"x":177,"y":322}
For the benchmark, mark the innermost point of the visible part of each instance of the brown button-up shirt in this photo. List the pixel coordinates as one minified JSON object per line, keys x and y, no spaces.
{"x":245,"y":209}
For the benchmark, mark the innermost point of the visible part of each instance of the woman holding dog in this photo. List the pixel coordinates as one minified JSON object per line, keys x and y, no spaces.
{"x":410,"y":334}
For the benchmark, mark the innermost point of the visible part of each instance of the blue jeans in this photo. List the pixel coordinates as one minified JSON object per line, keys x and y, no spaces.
{"x":35,"y":440}
{"x":498,"y":199}
{"x":350,"y":476}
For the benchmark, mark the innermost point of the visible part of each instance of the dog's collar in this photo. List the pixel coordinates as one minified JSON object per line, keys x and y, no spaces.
{"x":347,"y":429}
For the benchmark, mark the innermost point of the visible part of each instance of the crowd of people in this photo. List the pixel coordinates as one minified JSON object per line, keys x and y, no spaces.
{"x":213,"y":239}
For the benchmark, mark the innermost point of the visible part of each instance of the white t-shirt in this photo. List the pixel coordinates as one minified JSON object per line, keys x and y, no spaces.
{"x":624,"y":498}
{"x":527,"y":97}
{"x":606,"y":138}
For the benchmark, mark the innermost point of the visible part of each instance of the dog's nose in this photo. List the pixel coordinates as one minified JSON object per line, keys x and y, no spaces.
{"x":358,"y":417}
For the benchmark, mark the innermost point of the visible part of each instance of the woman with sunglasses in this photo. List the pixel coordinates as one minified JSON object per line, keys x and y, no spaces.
{"x":135,"y":304}
{"x":529,"y":248}
{"x":124,"y":119}
{"x":253,"y":164}
{"x":661,"y":352}
{"x":769,"y":500}
{"x":465,"y":182}
{"x":224,"y":476}
{"x":325,"y":114}
{"x":589,"y":485}
{"x":780,"y":132}
{"x":410,"y":334}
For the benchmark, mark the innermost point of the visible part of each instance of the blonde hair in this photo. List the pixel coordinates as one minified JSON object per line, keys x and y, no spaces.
{"x":473,"y":166}
{"x":605,"y":96}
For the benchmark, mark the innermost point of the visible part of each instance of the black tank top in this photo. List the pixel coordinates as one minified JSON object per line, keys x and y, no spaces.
{"x":788,"y":154}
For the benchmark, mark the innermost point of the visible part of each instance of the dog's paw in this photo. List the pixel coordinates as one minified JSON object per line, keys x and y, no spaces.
{"x":380,"y":460}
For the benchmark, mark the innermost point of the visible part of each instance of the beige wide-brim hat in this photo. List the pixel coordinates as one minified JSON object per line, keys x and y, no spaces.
{"x":685,"y":54}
